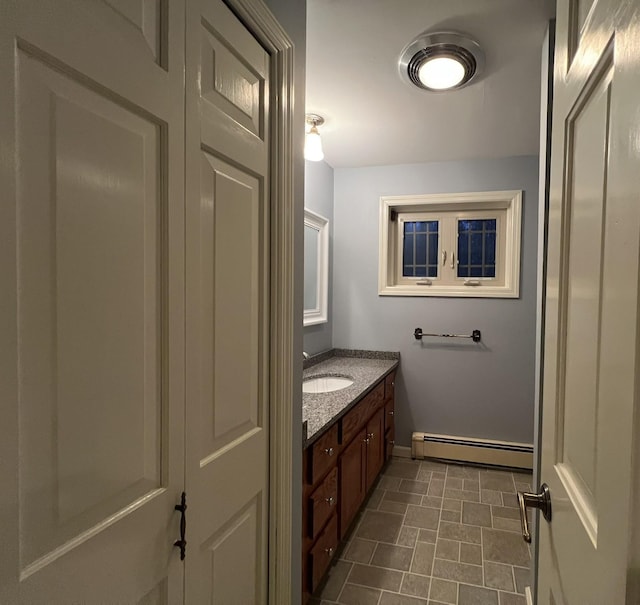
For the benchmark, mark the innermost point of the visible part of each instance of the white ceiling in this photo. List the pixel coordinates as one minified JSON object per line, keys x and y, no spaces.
{"x":374,"y":118}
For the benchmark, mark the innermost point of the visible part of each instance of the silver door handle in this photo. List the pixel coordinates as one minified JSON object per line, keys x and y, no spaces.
{"x":541,"y":501}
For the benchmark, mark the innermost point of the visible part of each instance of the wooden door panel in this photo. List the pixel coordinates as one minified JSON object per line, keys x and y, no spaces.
{"x":227,"y":193}
{"x":95,"y":212}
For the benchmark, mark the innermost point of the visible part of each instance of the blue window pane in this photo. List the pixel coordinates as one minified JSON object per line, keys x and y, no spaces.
{"x":432,"y":271}
{"x":433,"y":248}
{"x":489,"y":271}
{"x":421,"y":227}
{"x":475,"y":225}
{"x":463,"y":248}
{"x":407,"y":271}
{"x":490,"y":224}
{"x":407,"y":255}
{"x":433,"y":226}
{"x":490,"y":248}
{"x":421,"y":249}
{"x":463,"y":271}
{"x":463,"y":226}
{"x":476,"y":271}
{"x":476,"y":248}
{"x":421,"y":272}
{"x":408,"y":227}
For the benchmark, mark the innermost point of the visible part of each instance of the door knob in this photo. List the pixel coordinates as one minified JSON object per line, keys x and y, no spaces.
{"x":541,"y":501}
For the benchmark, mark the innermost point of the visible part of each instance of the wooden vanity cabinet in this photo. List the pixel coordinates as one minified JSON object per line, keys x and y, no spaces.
{"x":389,"y":415}
{"x":340,"y":469}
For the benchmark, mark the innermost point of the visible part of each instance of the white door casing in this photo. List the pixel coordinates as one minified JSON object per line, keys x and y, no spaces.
{"x":589,"y":442}
{"x":92,"y":298}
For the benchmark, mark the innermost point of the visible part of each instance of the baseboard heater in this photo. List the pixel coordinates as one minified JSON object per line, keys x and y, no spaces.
{"x":466,"y":449}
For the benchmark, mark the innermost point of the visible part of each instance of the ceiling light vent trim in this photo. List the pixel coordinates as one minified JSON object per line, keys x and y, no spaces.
{"x":452,"y":45}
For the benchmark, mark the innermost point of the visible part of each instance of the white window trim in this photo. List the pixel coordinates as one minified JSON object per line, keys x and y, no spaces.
{"x":320,"y":314}
{"x":511,"y":201}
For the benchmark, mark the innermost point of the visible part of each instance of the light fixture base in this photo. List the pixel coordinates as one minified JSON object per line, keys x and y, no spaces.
{"x":428,"y":46}
{"x":313,"y":119}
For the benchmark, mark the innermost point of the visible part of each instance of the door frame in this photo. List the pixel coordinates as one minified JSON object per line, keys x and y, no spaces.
{"x":263,"y":25}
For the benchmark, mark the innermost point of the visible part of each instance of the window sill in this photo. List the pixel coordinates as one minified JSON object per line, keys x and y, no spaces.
{"x":457,"y":291}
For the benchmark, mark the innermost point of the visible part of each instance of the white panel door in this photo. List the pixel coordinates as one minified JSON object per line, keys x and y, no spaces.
{"x":591,"y":340}
{"x":227,"y":167}
{"x":92,"y":265}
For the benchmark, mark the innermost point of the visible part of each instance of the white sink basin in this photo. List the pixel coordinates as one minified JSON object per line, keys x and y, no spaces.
{"x":325,"y":384}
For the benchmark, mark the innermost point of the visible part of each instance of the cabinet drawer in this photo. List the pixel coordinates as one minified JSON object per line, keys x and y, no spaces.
{"x":324,"y":454}
{"x":389,"y":386}
{"x":359,"y":415}
{"x":324,"y":550}
{"x":323,"y":502}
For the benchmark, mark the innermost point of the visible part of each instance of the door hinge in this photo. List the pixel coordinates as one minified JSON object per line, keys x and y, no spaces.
{"x":182,"y":509}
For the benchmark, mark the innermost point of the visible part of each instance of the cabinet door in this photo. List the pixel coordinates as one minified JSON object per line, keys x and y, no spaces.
{"x":352,"y":480}
{"x":389,"y":428}
{"x":375,"y":447}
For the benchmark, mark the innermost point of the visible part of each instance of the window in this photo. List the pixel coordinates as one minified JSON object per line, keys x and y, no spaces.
{"x":451,"y":244}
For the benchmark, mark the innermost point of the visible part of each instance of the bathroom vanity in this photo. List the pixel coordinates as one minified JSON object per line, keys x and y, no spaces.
{"x":350,"y":433}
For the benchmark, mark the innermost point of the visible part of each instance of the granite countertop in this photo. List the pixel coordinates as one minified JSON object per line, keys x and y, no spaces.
{"x":365,"y":368}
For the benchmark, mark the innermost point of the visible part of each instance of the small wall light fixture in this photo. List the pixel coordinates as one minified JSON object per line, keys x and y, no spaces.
{"x":441,"y":61}
{"x":312,"y":142}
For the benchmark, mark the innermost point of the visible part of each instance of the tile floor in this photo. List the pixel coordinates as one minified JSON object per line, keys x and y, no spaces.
{"x":433,"y":534}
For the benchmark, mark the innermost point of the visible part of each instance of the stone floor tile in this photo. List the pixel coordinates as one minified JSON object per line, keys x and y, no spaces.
{"x":433,"y":465}
{"x":453,"y":482}
{"x":360,"y":550}
{"x":508,"y":598}
{"x":379,"y":526}
{"x":387,"y":482}
{"x":337,"y":575}
{"x":415,"y":585}
{"x":459,"y":572}
{"x":460,"y":494}
{"x":424,"y":475}
{"x":498,"y":575}
{"x":389,"y":598}
{"x":451,"y":515}
{"x":375,"y":577}
{"x":403,"y":497}
{"x":474,"y":595}
{"x":507,"y":524}
{"x":490,"y":496}
{"x":423,"y":558}
{"x":404,"y":469}
{"x":458,"y":531}
{"x":392,"y":557}
{"x":476,"y":514}
{"x":504,"y":547}
{"x":497,"y":480}
{"x":451,"y":504}
{"x":432,"y":502}
{"x":464,"y":472}
{"x":471,"y":485}
{"x":414,"y":487}
{"x":470,"y":553}
{"x":522,"y":576}
{"x":444,"y":591}
{"x":359,"y":595}
{"x":439,"y":476}
{"x":428,"y":535}
{"x":419,"y":516}
{"x":393,"y":507}
{"x":509,"y":499}
{"x":436,"y":488}
{"x":408,"y":536}
{"x":505,"y":512}
{"x":374,"y":499}
{"x":523,"y":487}
{"x":448,"y":549}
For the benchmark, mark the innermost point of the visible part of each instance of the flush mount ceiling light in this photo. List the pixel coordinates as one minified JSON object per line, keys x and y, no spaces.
{"x":441,"y":61}
{"x":312,"y":142}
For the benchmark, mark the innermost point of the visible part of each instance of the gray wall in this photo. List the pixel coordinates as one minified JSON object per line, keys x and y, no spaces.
{"x":448,"y":387}
{"x":293,"y":18}
{"x":318,"y":197}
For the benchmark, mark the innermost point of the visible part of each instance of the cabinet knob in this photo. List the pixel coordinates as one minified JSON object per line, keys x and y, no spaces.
{"x":393,"y":383}
{"x":392,"y":442}
{"x":366,"y":440}
{"x":329,"y":451}
{"x":329,"y":551}
{"x":371,"y":435}
{"x":330,"y":500}
{"x":391,"y":412}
